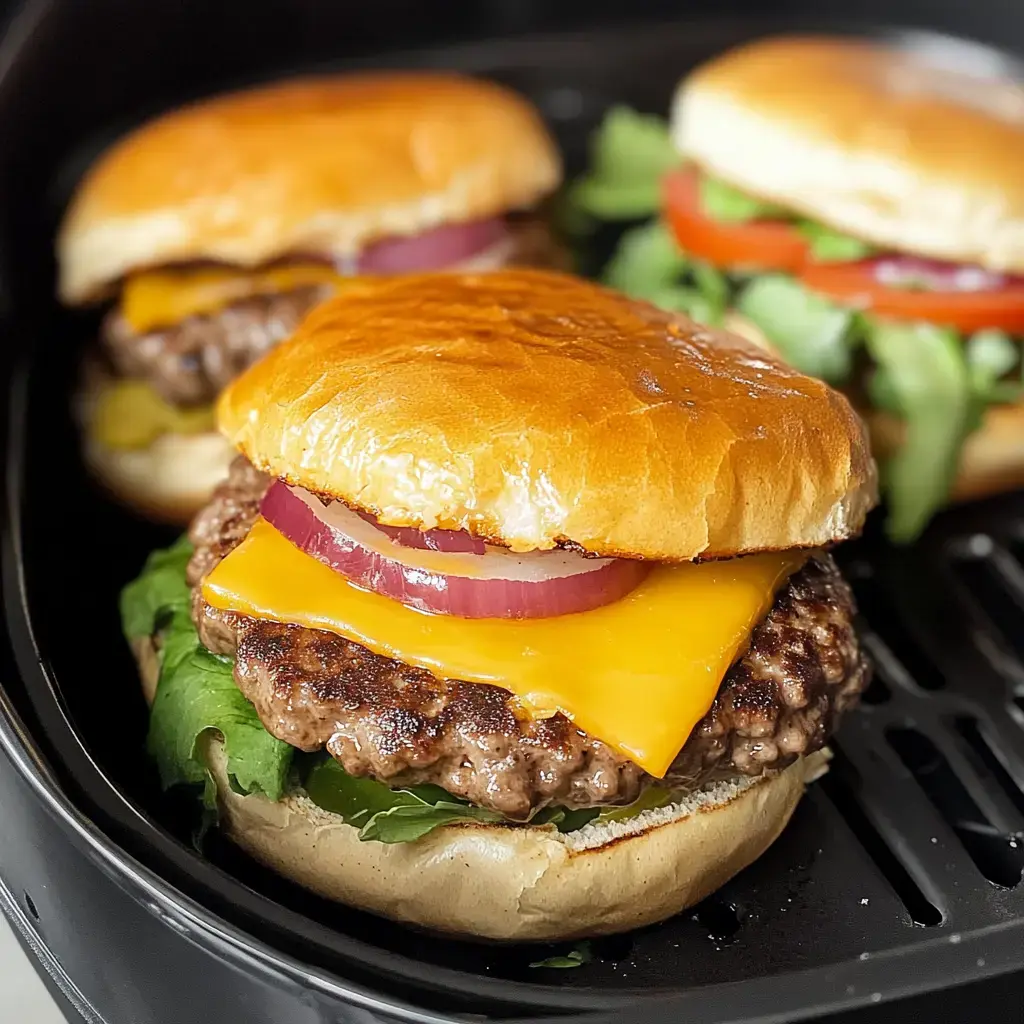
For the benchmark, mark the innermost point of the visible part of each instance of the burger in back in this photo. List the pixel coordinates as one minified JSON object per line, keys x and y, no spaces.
{"x":515,"y":617}
{"x":862,"y":207}
{"x":215,"y":228}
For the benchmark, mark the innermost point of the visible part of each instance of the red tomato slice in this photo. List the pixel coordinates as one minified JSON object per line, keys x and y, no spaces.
{"x":856,"y":284}
{"x":755,"y":244}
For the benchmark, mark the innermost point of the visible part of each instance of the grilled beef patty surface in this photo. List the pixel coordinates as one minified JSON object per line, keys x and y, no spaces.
{"x":402,"y":725}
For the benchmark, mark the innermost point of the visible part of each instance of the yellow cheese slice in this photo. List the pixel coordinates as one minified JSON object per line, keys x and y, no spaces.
{"x":158,"y":298}
{"x":639,"y":673}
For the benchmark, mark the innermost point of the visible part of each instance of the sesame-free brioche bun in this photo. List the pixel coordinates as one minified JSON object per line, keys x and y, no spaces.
{"x":882,"y":143}
{"x":317,"y":166}
{"x":533,"y":409}
{"x":513,"y":883}
{"x":991,"y":459}
{"x":167,"y":481}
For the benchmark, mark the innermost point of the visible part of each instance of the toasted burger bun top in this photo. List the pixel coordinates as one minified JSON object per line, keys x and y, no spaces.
{"x":875,"y":141}
{"x":317,"y":166}
{"x":532,"y":408}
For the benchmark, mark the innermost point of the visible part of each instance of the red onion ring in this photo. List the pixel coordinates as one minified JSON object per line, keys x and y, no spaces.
{"x":430,"y":540}
{"x":496,"y":584}
{"x":436,"y":249}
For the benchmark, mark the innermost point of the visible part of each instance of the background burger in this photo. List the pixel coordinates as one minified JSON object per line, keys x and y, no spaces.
{"x":215,"y":228}
{"x":862,"y":208}
{"x":536,"y":575}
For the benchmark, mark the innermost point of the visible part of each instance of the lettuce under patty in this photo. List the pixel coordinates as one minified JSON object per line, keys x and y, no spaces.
{"x":196,"y":695}
{"x":935,"y":381}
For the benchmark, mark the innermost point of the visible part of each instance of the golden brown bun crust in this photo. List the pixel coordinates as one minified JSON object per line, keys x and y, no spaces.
{"x":169,"y":481}
{"x":867,"y":139}
{"x":318,"y":166}
{"x":992,"y":458}
{"x":515,"y":884}
{"x":534,"y":408}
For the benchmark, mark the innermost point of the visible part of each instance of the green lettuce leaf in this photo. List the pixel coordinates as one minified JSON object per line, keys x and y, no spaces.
{"x":830,"y":246}
{"x":923,"y":370}
{"x":159,"y":591}
{"x":196,"y":693}
{"x":383,"y":814}
{"x":648,"y":264}
{"x":723,"y":202}
{"x":576,"y":957}
{"x":646,"y":260}
{"x":564,"y":818}
{"x":649,"y":800}
{"x":991,"y":355}
{"x":629,"y":153}
{"x":814,"y":334}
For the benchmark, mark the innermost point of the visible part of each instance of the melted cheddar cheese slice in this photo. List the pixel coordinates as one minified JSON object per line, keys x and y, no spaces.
{"x":159,"y":298}
{"x":639,"y":673}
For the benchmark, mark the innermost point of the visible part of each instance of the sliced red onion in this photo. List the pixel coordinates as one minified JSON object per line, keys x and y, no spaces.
{"x":935,"y":275}
{"x":430,"y":540}
{"x":496,"y":584}
{"x":437,"y":249}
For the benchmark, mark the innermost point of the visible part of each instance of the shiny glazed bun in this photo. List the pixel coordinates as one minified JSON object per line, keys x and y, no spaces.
{"x":884,"y":144}
{"x":318,"y":166}
{"x":516,"y":884}
{"x":534,"y":408}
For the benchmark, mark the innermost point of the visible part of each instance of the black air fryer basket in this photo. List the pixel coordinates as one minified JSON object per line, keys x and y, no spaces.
{"x":899,"y":873}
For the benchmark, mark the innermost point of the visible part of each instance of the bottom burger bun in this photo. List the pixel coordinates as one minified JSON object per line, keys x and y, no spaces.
{"x":168,"y":480}
{"x":519,"y":884}
{"x":991,"y":460}
{"x":516,"y":884}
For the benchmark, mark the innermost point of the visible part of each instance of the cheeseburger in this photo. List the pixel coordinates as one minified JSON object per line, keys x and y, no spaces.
{"x":536,"y":576}
{"x":213,"y":229}
{"x":863,"y":207}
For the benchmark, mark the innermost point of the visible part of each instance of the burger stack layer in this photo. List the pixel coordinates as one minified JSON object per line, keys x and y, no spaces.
{"x":860,"y":208}
{"x":515,"y":616}
{"x":215,"y":228}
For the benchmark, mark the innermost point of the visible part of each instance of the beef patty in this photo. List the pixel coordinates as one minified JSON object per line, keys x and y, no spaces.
{"x":402,"y":725}
{"x":190,"y":362}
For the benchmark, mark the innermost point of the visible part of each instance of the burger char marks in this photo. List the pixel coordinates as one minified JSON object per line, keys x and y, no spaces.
{"x":384,"y":719}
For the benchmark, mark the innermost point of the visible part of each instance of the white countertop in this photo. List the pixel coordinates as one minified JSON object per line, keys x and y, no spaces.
{"x":23,"y":997}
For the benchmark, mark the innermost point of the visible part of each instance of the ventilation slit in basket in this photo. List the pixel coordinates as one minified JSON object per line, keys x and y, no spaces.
{"x":998,"y":856}
{"x":836,"y":783}
{"x":994,"y":594}
{"x":975,"y":738}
